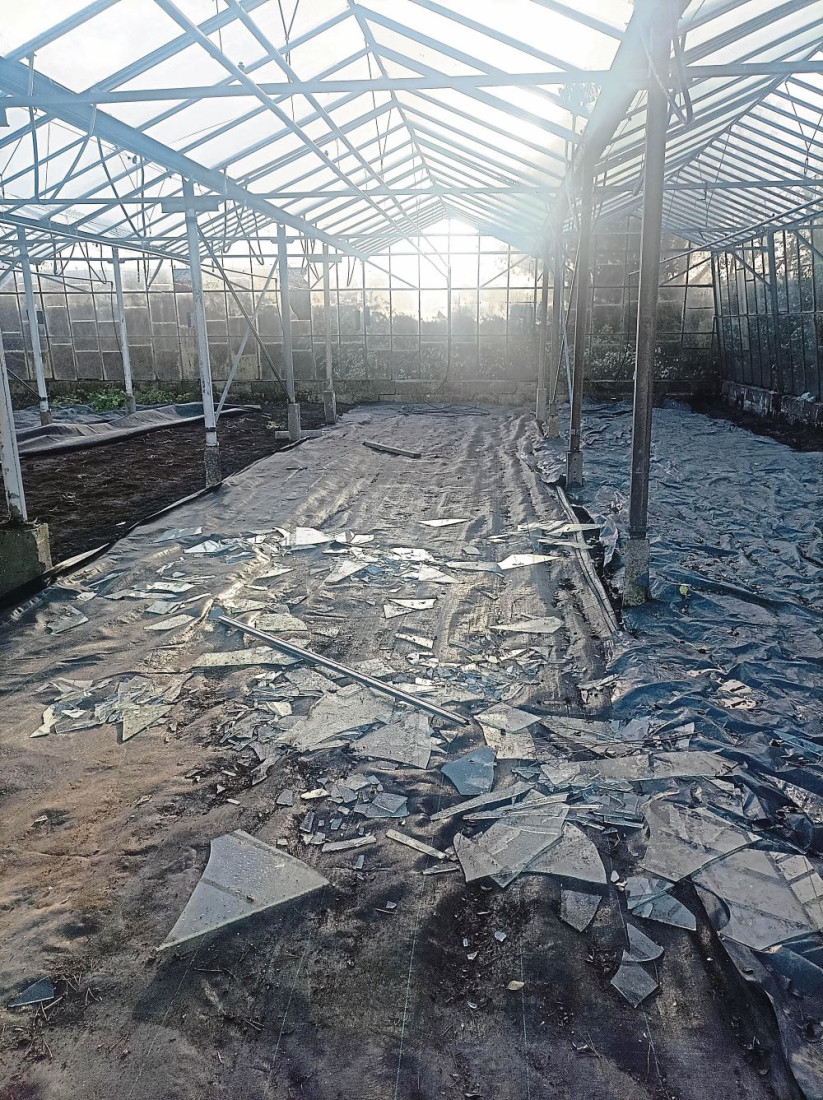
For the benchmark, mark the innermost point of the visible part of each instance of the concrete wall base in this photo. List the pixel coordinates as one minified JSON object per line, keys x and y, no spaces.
{"x":294,"y":421}
{"x":24,"y":554}
{"x":574,"y":469}
{"x":214,"y":470}
{"x":636,"y":573}
{"x":772,"y":405}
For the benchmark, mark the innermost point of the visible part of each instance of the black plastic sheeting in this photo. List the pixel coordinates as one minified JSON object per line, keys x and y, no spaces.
{"x":74,"y":434}
{"x":736,"y":536}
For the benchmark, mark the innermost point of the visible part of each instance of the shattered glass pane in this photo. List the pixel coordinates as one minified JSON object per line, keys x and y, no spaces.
{"x":406,"y":741}
{"x":243,"y":876}
{"x":473,"y":773}
{"x":632,"y":982}
{"x":578,"y":908}
{"x":683,"y":840}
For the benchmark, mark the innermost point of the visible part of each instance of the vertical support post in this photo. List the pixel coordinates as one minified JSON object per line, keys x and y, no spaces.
{"x":660,"y":28}
{"x":34,"y":328}
{"x":774,"y":306}
{"x":557,"y":336}
{"x":122,"y":331}
{"x":329,"y":398}
{"x":9,"y":455}
{"x":718,"y":313}
{"x":288,"y":351}
{"x":214,"y":474}
{"x":574,"y":458}
{"x":542,"y":350}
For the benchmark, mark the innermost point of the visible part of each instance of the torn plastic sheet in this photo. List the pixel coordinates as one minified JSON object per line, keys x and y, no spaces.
{"x":633,"y":982}
{"x":682,"y":840}
{"x":404,"y":741}
{"x":472,"y":774}
{"x":770,"y":896}
{"x":243,"y":876}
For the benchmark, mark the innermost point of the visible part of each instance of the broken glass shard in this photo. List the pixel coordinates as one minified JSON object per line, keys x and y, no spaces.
{"x":578,"y":908}
{"x":243,"y":658}
{"x":647,"y":898}
{"x":243,"y":876}
{"x":545,"y":625}
{"x":574,"y":859}
{"x":384,"y":805}
{"x":682,"y":840}
{"x":35,"y":994}
{"x":641,"y":948}
{"x":336,"y":713}
{"x":442,"y":522}
{"x":70,"y":618}
{"x":406,"y":741}
{"x":770,"y":896}
{"x":280,"y":622}
{"x":172,"y":623}
{"x":493,"y":798}
{"x":344,"y":570}
{"x":632,"y":982}
{"x":473,"y":773}
{"x":515,"y":561}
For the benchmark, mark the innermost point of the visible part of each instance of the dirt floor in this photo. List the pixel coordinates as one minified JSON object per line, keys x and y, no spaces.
{"x":366,"y":991}
{"x":89,"y":497}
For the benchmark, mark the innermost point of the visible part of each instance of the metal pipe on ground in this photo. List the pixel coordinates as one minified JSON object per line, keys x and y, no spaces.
{"x":336,"y":666}
{"x":660,"y":19}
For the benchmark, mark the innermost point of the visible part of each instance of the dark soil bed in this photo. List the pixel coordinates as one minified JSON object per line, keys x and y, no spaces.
{"x":90,"y":497}
{"x":800,"y":437}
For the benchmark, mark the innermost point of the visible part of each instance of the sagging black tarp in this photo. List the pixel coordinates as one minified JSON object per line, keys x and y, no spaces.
{"x":74,"y":435}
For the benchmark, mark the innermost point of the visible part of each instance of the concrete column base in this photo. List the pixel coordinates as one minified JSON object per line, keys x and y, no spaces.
{"x":551,"y":430}
{"x":214,"y":471}
{"x":330,"y":406}
{"x":24,"y":554}
{"x":540,"y":407}
{"x":45,"y":416}
{"x":294,"y":421}
{"x":574,"y":469}
{"x":636,"y":573}
{"x":131,"y":404}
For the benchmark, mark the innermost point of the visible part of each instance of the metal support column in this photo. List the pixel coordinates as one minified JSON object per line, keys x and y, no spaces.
{"x":9,"y":455}
{"x":122,"y":331}
{"x":774,"y":306}
{"x":661,"y":25}
{"x":574,"y":458}
{"x":329,"y":399}
{"x":285,"y":318}
{"x":34,"y":328}
{"x":542,"y":350}
{"x":214,"y":474}
{"x":557,"y":336}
